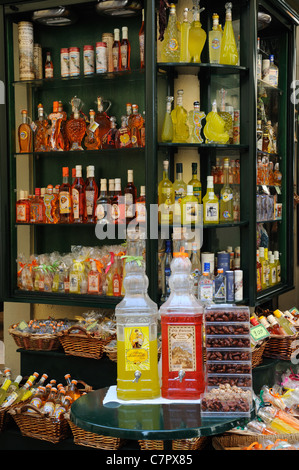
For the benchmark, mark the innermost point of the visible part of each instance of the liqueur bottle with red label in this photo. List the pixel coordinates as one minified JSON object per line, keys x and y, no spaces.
{"x":78,"y":196}
{"x":182,"y":331}
{"x":65,"y":198}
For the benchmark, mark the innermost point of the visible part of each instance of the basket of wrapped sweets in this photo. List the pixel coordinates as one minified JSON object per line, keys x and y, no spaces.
{"x":88,"y":336}
{"x":39,"y":335}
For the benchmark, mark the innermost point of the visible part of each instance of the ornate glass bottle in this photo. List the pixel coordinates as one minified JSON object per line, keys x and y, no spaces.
{"x":76,"y":126}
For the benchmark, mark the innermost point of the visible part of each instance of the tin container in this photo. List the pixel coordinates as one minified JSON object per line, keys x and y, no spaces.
{"x":38,"y":61}
{"x":223,"y":261}
{"x":88,"y":60}
{"x":101,"y":57}
{"x":26,"y":52}
{"x":64,"y":62}
{"x":208,"y":258}
{"x":74,"y":54}
{"x":108,"y":38}
{"x":230,"y":286}
{"x":238,"y":285}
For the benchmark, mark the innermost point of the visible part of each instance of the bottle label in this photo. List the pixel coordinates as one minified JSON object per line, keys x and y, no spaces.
{"x":37,"y":402}
{"x":89,"y":197}
{"x":101,"y":211}
{"x":181,"y":348}
{"x":141,"y":47}
{"x":116,"y":286}
{"x":205,"y":292}
{"x":173,"y":45}
{"x":137,"y":348}
{"x":76,"y":203}
{"x":23,"y":135}
{"x":21,"y":213}
{"x":191,"y":212}
{"x":215,"y":44}
{"x":93,"y":283}
{"x":141,"y":212}
{"x":49,"y":408}
{"x":211,"y":212}
{"x":36,"y":212}
{"x":48,"y":198}
{"x":115,"y":57}
{"x":129,"y":205}
{"x":74,"y":283}
{"x":59,"y":410}
{"x":49,"y":73}
{"x":9,"y":400}
{"x":124,"y":55}
{"x":65,"y":205}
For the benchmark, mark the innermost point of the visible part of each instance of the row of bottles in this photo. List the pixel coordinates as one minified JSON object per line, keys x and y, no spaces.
{"x":268,"y":268}
{"x":180,"y":126}
{"x":233,"y":172}
{"x":83,"y":271}
{"x":83,"y":201}
{"x":268,"y":173}
{"x":184,"y":41}
{"x":60,"y":132}
{"x":277,"y":323}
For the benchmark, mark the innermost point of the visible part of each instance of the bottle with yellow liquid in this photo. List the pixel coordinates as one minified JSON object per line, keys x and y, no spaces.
{"x":170,"y":46}
{"x":210,"y":204}
{"x":167,"y":129}
{"x":197,"y":36}
{"x":136,"y":318}
{"x":189,"y":208}
{"x":185,"y":27}
{"x":166,"y":197}
{"x":214,"y":130}
{"x":179,"y":117}
{"x":215,"y":38}
{"x":195,"y":183}
{"x":278,"y":266}
{"x":226,"y":196}
{"x":229,"y":52}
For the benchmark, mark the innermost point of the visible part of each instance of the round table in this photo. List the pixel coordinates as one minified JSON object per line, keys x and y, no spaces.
{"x":147,"y":421}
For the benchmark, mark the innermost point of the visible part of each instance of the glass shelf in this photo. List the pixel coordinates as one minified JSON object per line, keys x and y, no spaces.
{"x":80,"y":153}
{"x":85,"y":80}
{"x":268,"y":87}
{"x":237,"y":148}
{"x":211,"y":226}
{"x":186,"y":68}
{"x":271,"y":221}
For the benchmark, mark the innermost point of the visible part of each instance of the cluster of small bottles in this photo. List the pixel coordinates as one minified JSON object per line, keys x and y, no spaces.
{"x":268,"y":268}
{"x":266,"y":136}
{"x":186,"y":42}
{"x":59,"y":132}
{"x":179,"y":203}
{"x":233,"y":172}
{"x":214,"y":279}
{"x":82,"y":201}
{"x":180,"y":126}
{"x":267,"y":206}
{"x":266,"y":69}
{"x":268,"y":173}
{"x":93,"y":271}
{"x":52,"y":400}
{"x":279,"y":323}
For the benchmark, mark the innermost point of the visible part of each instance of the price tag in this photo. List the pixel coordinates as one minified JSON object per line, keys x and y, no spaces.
{"x":259,"y":332}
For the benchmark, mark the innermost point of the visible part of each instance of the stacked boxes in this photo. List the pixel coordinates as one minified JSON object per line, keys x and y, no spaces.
{"x":228,"y":361}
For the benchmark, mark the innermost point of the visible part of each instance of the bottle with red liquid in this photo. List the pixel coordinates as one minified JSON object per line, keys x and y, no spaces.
{"x":78,"y":197}
{"x":118,"y":215}
{"x":65,"y":199}
{"x":182,"y":331}
{"x":23,"y":208}
{"x":91,"y":196}
{"x":141,"y":41}
{"x":125,"y":50}
{"x":116,"y":51}
{"x":130,"y":193}
{"x":37,"y":208}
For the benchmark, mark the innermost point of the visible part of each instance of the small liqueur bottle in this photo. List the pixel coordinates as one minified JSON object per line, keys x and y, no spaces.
{"x":141,"y":41}
{"x":123,"y":135}
{"x":25,"y":134}
{"x":210,"y":204}
{"x":277,"y":176}
{"x":92,"y":139}
{"x":206,"y":286}
{"x":102,"y":118}
{"x":229,"y":52}
{"x":91,"y":196}
{"x":103,"y":204}
{"x":167,"y":128}
{"x":141,"y":206}
{"x":94,"y":284}
{"x":118,"y":205}
{"x":195,"y":117}
{"x":56,"y":212}
{"x":135,"y":126}
{"x":108,"y":140}
{"x":125,"y":50}
{"x":195,"y":183}
{"x":226,"y":197}
{"x":171,"y":43}
{"x":220,"y":287}
{"x":23,"y":208}
{"x":116,"y":55}
{"x":166,"y":197}
{"x":76,"y":127}
{"x":49,"y":205}
{"x":66,"y":144}
{"x":41,"y":131}
{"x":179,"y":118}
{"x":55,"y":141}
{"x":65,"y":199}
{"x":185,"y":27}
{"x":116,"y":278}
{"x":189,"y":208}
{"x":49,"y":69}
{"x":142,"y":131}
{"x":195,"y":268}
{"x":180,"y":191}
{"x":197,"y":36}
{"x":130,"y":193}
{"x":78,"y":197}
{"x":275,"y":328}
{"x":37,"y":208}
{"x":215,"y":36}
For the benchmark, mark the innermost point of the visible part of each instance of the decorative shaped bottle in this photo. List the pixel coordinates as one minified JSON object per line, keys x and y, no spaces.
{"x":229,"y":53}
{"x":167,"y":129}
{"x":197,"y":36}
{"x":136,"y":317}
{"x":214,"y":130}
{"x":170,"y":46}
{"x":76,"y":126}
{"x":41,"y":131}
{"x":182,"y":330}
{"x":102,"y":118}
{"x":195,"y":117}
{"x":92,"y":140}
{"x":179,"y":118}
{"x":215,"y":38}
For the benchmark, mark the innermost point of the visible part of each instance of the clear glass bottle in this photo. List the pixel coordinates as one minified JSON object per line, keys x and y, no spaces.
{"x":206,"y":286}
{"x":259,"y":62}
{"x":125,"y":50}
{"x":136,"y":320}
{"x":195,"y":268}
{"x":76,"y":126}
{"x":226,"y":197}
{"x":273,"y":72}
{"x":141,"y":41}
{"x":189,"y":208}
{"x":182,"y":335}
{"x":92,"y":139}
{"x":197,"y":36}
{"x":220,"y":287}
{"x":171,"y":46}
{"x":215,"y":37}
{"x":165,"y":271}
{"x":226,"y":116}
{"x":123,"y":135}
{"x":166,"y":197}
{"x":229,"y":52}
{"x":179,"y":117}
{"x":214,"y":130}
{"x":135,"y":125}
{"x":101,"y":117}
{"x":109,"y":139}
{"x":195,"y":116}
{"x":167,"y":128}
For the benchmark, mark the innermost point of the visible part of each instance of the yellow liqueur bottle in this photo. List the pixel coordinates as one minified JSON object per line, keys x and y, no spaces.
{"x":166,"y":197}
{"x":189,"y":208}
{"x":185,"y":27}
{"x":210,"y":204}
{"x":214,"y":130}
{"x":229,"y":53}
{"x":167,"y":129}
{"x":215,"y":37}
{"x":226,"y":196}
{"x":180,"y":191}
{"x":197,"y":36}
{"x":195,"y":183}
{"x":170,"y":46}
{"x":179,"y":117}
{"x":195,"y":117}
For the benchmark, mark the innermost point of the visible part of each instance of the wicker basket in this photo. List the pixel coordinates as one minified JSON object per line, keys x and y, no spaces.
{"x":90,"y":439}
{"x":234,"y":441}
{"x":38,"y":342}
{"x":196,"y":443}
{"x":111,"y":350}
{"x":83,"y":344}
{"x":39,"y":426}
{"x":258,"y":353}
{"x":281,"y":347}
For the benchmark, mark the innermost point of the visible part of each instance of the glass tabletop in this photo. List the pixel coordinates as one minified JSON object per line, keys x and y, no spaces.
{"x":147,"y":421}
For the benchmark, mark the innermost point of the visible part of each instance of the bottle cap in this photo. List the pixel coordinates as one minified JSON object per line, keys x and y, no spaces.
{"x":65,"y":171}
{"x":142,"y":190}
{"x":55,"y":106}
{"x":179,"y":168}
{"x":37,"y":191}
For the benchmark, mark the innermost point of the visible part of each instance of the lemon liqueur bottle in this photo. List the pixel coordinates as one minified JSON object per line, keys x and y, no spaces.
{"x":210,"y":204}
{"x":195,"y":183}
{"x":170,"y":46}
{"x":179,"y":117}
{"x":215,"y":37}
{"x":226,"y":196}
{"x":167,"y":128}
{"x":197,"y":36}
{"x":185,"y":27}
{"x":166,"y":197}
{"x":229,"y":53}
{"x":180,"y":191}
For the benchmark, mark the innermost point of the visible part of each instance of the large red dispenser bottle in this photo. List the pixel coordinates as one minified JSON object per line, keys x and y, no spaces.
{"x":182,"y":335}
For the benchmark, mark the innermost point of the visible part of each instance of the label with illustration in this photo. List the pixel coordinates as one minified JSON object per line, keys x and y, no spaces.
{"x":181,"y":348}
{"x":137,"y":350}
